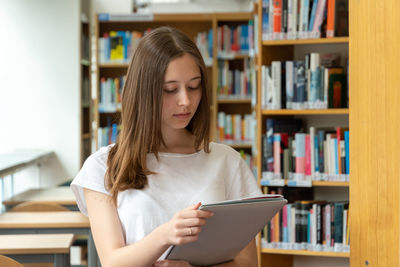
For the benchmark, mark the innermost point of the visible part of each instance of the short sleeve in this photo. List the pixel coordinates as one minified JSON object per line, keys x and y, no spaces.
{"x":244,"y":184}
{"x":91,"y":176}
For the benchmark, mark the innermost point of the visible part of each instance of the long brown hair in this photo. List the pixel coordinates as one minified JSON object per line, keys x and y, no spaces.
{"x":142,"y":107}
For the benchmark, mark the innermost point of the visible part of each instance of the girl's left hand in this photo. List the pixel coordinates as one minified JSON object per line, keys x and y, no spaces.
{"x":171,"y":263}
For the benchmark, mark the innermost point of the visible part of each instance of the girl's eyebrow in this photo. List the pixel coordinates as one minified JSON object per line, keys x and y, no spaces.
{"x":173,"y":81}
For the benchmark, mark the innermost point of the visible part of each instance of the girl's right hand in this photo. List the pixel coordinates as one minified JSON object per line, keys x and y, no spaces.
{"x":185,"y":226}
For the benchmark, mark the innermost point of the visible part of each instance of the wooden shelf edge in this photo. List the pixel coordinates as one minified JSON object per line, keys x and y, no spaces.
{"x":233,"y":100}
{"x":306,"y":253}
{"x":334,"y":40}
{"x":333,"y":111}
{"x":234,"y":16}
{"x":113,"y":65}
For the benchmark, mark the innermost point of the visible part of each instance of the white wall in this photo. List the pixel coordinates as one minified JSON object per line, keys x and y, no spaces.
{"x":39,"y":88}
{"x":194,"y":6}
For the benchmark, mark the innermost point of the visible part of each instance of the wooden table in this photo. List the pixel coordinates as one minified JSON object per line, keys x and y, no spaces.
{"x":61,"y":195}
{"x":50,"y":223}
{"x":33,"y":248}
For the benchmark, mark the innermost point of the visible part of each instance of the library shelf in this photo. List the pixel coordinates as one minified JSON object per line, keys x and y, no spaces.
{"x":330,"y":111}
{"x":334,"y":40}
{"x":86,"y":136}
{"x":236,"y":145}
{"x":233,"y":100}
{"x":85,"y":62}
{"x":233,"y":57}
{"x":305,"y":252}
{"x":330,"y":183}
{"x":113,"y":65}
{"x":234,"y":16}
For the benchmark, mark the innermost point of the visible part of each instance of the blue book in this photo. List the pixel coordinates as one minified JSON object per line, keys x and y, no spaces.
{"x":104,"y":17}
{"x":321,"y":135}
{"x":347,"y":148}
{"x":270,"y":145}
{"x":316,"y":154}
{"x":288,"y":219}
{"x":114,"y":133}
{"x":210,"y":43}
{"x":107,"y":48}
{"x":336,"y":155}
{"x":265,"y":16}
{"x":300,"y":82}
{"x":312,"y":16}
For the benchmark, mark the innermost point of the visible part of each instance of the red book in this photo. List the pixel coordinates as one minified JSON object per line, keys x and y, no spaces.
{"x":308,"y":156}
{"x":277,"y":16}
{"x":330,"y":21}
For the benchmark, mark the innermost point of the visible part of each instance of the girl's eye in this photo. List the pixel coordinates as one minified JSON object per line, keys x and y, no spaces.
{"x":170,"y":91}
{"x":194,"y":88}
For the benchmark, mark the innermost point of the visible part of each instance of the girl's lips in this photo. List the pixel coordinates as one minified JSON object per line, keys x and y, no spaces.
{"x":182,"y":115}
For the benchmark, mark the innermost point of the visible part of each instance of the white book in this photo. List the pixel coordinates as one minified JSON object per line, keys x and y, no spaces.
{"x":304,"y":12}
{"x":263,"y":87}
{"x":314,"y":225}
{"x":228,"y":129}
{"x":344,"y":226}
{"x":238,"y":127}
{"x":276,"y":77}
{"x":328,"y":224}
{"x":221,"y":121}
{"x":289,"y":84}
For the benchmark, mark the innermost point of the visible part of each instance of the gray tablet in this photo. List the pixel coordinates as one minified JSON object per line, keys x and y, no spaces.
{"x":233,"y":226}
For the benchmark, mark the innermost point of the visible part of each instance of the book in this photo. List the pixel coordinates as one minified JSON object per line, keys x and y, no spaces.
{"x":227,"y":232}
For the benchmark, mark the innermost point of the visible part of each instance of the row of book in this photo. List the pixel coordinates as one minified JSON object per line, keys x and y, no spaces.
{"x":236,"y":127}
{"x":235,"y":40}
{"x":108,"y":135}
{"x":288,"y":152}
{"x":309,"y":225}
{"x":118,"y":46}
{"x":318,"y":82}
{"x":204,"y":41}
{"x":302,"y":19}
{"x":235,"y":82}
{"x":110,"y":93}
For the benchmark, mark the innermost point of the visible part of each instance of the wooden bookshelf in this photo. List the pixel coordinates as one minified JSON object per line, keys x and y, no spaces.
{"x":190,"y":24}
{"x":85,"y":83}
{"x":114,"y":65}
{"x":333,"y":111}
{"x":234,"y":100}
{"x":335,"y":40}
{"x":283,"y":50}
{"x":305,"y":253}
{"x":330,"y":184}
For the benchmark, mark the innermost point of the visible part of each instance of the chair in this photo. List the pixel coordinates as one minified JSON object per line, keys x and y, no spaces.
{"x":8,"y":262}
{"x":37,"y":207}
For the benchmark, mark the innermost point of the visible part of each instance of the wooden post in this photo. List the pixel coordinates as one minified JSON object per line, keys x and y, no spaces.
{"x":374,"y":133}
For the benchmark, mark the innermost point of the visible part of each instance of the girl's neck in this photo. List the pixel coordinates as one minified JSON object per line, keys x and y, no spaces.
{"x":178,"y":141}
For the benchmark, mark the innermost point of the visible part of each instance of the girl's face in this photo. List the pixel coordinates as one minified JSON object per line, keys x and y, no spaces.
{"x":181,"y":92}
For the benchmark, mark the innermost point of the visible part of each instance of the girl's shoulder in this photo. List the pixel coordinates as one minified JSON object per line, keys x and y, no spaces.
{"x":223,"y":150}
{"x":99,"y":157}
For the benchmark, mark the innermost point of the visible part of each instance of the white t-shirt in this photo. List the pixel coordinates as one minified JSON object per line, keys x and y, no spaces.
{"x":181,"y":180}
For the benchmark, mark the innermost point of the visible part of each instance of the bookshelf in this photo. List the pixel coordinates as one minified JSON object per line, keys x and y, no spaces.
{"x":190,"y":24}
{"x":85,"y":84}
{"x":284,"y":50}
